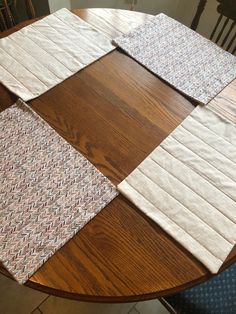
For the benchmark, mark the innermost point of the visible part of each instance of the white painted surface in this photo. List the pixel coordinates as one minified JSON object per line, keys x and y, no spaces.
{"x":161,"y":6}
{"x":187,"y":9}
{"x":149,"y":6}
{"x":55,"y":5}
{"x":118,"y":4}
{"x":181,"y":10}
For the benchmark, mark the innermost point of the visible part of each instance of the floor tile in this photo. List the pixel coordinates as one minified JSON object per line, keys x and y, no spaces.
{"x":64,"y":306}
{"x":151,"y":307}
{"x":37,"y":311}
{"x":17,"y":299}
{"x":134,"y":311}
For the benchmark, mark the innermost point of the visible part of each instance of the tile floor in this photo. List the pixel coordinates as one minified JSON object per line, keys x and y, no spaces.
{"x":16,"y":299}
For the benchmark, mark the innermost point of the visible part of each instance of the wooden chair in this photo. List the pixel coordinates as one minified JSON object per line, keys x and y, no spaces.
{"x":216,"y":296}
{"x":6,"y":16}
{"x":8,"y":12}
{"x":224,"y":32}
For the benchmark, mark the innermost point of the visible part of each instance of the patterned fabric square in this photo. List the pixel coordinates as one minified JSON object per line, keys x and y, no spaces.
{"x":189,"y":62}
{"x":48,"y":191}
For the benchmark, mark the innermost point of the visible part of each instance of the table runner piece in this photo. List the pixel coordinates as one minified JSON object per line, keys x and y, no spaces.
{"x":185,"y":59}
{"x":187,"y":185}
{"x":45,"y":53}
{"x":48,"y":191}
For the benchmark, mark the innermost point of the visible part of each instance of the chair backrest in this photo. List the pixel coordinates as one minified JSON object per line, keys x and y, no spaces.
{"x":30,"y":9}
{"x":8,"y":10}
{"x":6,"y":16}
{"x":224,"y":33}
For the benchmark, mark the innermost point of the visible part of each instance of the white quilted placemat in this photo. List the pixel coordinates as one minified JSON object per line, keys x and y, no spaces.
{"x":180,"y":56}
{"x":188,"y":186}
{"x":45,"y":53}
{"x":48,"y":191}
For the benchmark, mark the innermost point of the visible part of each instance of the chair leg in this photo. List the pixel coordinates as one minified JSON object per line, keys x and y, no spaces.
{"x":2,"y":21}
{"x":30,"y":9}
{"x":234,"y":50}
{"x":222,"y":30}
{"x":197,"y":17}
{"x":9,"y":17}
{"x":231,"y":42}
{"x":132,"y":5}
{"x":216,"y":26}
{"x":228,"y":33}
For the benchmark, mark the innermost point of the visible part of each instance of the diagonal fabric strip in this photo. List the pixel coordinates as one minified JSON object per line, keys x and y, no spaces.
{"x":189,"y":62}
{"x":225,"y":103}
{"x":48,"y":191}
{"x":187,"y":185}
{"x":45,"y":53}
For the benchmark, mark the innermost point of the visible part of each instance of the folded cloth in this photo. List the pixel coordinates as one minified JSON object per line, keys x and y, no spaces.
{"x":48,"y":191}
{"x":45,"y":53}
{"x":187,"y":185}
{"x":185,"y":59}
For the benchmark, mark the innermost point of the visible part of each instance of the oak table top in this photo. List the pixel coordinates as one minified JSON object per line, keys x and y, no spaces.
{"x":115,"y":112}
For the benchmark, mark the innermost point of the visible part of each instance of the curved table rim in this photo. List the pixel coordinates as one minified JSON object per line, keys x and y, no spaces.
{"x":94,"y":298}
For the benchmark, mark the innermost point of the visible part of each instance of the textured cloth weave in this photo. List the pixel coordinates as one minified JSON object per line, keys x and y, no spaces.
{"x":187,"y":185}
{"x":48,"y":191}
{"x":45,"y":53}
{"x":180,"y":56}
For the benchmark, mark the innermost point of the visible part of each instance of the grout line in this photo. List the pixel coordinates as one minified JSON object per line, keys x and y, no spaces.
{"x":136,"y":311}
{"x":37,"y":308}
{"x":133,"y":307}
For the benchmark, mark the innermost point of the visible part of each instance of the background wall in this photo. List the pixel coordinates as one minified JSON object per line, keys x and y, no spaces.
{"x":182,"y":10}
{"x":119,"y":4}
{"x":148,"y":6}
{"x":58,"y":4}
{"x":186,"y":11}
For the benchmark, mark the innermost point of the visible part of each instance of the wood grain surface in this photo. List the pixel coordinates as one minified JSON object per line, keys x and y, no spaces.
{"x":115,"y":112}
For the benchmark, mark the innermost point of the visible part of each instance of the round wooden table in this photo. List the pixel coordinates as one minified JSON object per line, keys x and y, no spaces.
{"x":115,"y":112}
